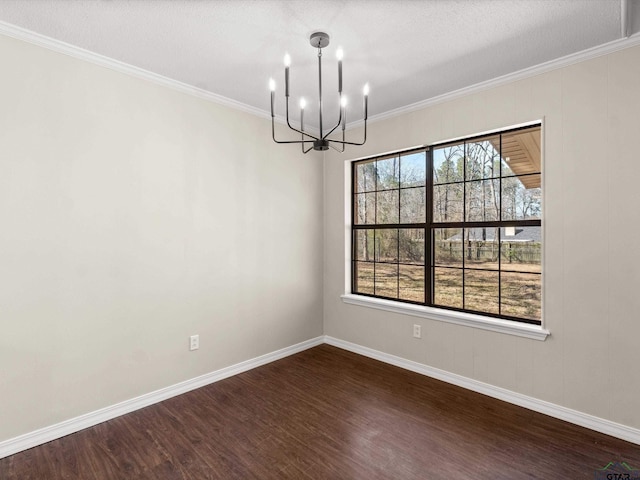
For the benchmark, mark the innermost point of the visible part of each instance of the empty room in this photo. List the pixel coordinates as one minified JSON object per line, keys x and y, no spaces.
{"x":293,"y":239}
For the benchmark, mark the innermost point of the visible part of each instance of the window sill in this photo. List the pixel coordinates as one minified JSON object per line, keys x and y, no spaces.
{"x":508,"y":327}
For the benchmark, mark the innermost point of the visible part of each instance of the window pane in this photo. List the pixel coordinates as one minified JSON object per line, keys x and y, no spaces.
{"x":482,"y":158}
{"x":447,"y":287}
{"x":482,"y":200}
{"x":481,"y":291}
{"x":521,"y":198}
{"x":388,"y":207}
{"x":365,"y":177}
{"x":412,"y":245}
{"x":412,"y":205}
{"x":388,"y":171}
{"x":365,"y":208}
{"x":413,"y":171}
{"x":411,"y":282}
{"x":386,"y":280}
{"x":364,"y":245}
{"x":364,"y":277}
{"x":521,"y":152}
{"x":521,"y":249}
{"x":447,"y":203}
{"x":448,"y":164}
{"x":387,"y":245}
{"x":521,"y":293}
{"x":481,"y":248}
{"x":447,"y":246}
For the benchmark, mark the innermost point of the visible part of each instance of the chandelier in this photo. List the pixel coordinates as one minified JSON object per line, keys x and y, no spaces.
{"x":321,"y":141}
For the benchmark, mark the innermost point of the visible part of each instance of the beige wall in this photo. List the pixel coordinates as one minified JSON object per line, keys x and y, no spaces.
{"x":591,"y":113}
{"x":131,"y":217}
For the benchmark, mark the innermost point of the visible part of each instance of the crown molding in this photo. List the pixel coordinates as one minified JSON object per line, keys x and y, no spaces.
{"x":59,"y":46}
{"x":591,"y":53}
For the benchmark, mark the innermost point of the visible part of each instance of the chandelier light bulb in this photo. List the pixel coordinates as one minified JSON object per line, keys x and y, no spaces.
{"x":365,"y":89}
{"x":272,"y":85}
{"x":303,"y":103}
{"x":287,"y":60}
{"x":343,"y":102}
{"x":339,"y":54}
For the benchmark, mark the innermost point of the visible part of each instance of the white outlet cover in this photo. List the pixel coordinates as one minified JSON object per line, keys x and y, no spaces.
{"x":417,"y":331}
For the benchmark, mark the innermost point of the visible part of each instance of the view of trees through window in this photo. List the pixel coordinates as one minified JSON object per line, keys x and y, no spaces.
{"x":455,"y":226}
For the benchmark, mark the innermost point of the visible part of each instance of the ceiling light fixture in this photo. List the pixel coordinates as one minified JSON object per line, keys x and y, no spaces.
{"x":322,"y":141}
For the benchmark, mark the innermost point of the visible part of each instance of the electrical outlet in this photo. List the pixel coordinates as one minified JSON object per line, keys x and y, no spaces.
{"x":194,"y":342}
{"x":417,"y":331}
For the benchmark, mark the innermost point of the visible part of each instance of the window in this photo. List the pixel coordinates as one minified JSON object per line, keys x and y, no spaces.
{"x":454,"y":226}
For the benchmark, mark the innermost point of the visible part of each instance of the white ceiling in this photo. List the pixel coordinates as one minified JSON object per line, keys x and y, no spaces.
{"x":408,"y":50}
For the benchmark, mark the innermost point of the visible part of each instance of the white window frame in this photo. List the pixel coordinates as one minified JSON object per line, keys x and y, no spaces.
{"x":509,"y":327}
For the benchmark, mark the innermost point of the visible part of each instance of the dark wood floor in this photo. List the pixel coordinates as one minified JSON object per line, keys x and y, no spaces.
{"x":326,"y":414}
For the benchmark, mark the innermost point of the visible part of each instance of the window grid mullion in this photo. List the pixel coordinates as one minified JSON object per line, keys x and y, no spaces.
{"x":398,"y":230}
{"x":429,"y":271}
{"x":500,"y":232}
{"x":375,"y":232}
{"x":464,"y":218}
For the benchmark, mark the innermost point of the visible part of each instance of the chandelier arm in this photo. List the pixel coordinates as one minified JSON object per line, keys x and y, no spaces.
{"x":336,"y":149}
{"x":304,"y":133}
{"x":343,"y":142}
{"x":364,"y":140}
{"x":294,"y":141}
{"x":349,"y":143}
{"x":337,"y":125}
{"x":295,"y":129}
{"x":273,"y":135}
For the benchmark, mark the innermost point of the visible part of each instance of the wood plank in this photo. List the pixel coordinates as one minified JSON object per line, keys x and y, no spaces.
{"x":325,"y":414}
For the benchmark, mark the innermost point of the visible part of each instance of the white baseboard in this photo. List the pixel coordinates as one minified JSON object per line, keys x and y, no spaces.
{"x":572,"y":416}
{"x":53,"y":432}
{"x":47,"y":434}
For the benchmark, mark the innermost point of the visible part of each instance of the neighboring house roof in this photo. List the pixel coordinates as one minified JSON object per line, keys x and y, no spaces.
{"x":526,"y":234}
